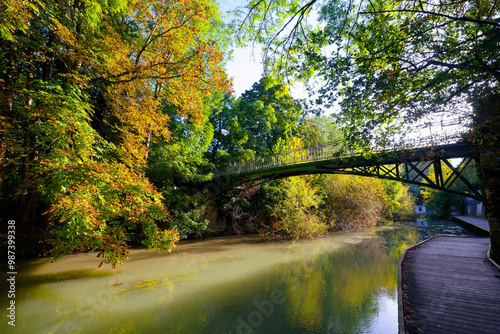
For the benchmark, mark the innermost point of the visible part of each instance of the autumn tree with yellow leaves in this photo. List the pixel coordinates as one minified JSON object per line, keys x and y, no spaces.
{"x":84,"y":87}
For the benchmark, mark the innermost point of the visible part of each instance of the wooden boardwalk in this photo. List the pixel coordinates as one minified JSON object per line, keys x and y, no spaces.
{"x":448,"y":286}
{"x":478,"y":225}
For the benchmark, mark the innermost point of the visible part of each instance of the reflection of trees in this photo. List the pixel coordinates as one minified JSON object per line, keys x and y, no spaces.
{"x":327,"y":290}
{"x":396,"y":240}
{"x":305,"y":295}
{"x":333,"y":291}
{"x":338,"y":291}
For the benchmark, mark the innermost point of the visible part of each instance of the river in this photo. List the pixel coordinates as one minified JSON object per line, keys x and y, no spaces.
{"x":341,"y":283}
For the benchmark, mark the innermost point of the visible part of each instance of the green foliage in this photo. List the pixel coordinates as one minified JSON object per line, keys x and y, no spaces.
{"x":399,"y":202}
{"x":308,"y":206}
{"x":228,"y":140}
{"x":320,"y":130}
{"x":100,"y":206}
{"x":353,"y":202}
{"x":407,"y":206}
{"x":173,"y":168}
{"x":295,"y":209}
{"x":440,"y":203}
{"x":16,"y":16}
{"x":176,"y":166}
{"x":253,"y":125}
{"x":392,"y":189}
{"x":97,"y":204}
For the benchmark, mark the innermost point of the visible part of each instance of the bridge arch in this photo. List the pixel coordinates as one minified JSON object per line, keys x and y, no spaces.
{"x":402,"y":164}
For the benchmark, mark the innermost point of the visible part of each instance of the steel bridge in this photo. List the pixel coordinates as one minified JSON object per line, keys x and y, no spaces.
{"x":400,"y":160}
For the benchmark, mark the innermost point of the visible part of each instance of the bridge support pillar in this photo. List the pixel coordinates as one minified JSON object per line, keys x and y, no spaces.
{"x":213,"y":212}
{"x":217,"y":219}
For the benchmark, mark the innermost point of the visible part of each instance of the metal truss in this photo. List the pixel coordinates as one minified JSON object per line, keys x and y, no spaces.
{"x":408,"y":166}
{"x":406,"y":171}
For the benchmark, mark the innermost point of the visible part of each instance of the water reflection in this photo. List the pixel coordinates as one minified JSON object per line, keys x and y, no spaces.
{"x":342,"y":283}
{"x":421,"y":223}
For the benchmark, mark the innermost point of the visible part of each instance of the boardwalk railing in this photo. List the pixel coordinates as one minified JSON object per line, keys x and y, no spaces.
{"x":334,"y":150}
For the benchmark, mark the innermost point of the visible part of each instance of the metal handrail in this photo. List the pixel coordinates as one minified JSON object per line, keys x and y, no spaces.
{"x":328,"y":151}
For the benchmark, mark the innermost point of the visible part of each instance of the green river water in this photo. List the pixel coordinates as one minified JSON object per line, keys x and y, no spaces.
{"x":341,"y":283}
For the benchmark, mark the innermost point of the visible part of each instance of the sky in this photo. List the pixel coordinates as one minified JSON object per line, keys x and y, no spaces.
{"x":246,"y":67}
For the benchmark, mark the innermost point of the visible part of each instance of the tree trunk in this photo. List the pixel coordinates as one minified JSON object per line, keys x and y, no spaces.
{"x":486,"y":139}
{"x":7,"y":144}
{"x":491,"y":182}
{"x":29,"y":214}
{"x":29,"y":198}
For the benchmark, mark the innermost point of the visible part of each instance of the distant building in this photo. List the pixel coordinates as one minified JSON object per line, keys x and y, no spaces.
{"x":473,"y":207}
{"x":420,"y":209}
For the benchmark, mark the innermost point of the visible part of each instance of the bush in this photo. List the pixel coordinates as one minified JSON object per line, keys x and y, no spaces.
{"x":295,"y":209}
{"x":406,"y":210}
{"x":399,"y":201}
{"x":353,"y":202}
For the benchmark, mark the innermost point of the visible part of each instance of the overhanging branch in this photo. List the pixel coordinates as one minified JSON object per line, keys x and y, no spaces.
{"x":455,"y":18}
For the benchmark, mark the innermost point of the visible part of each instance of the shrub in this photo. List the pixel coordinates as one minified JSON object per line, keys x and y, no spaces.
{"x":399,"y":202}
{"x":353,"y":202}
{"x":295,"y":209}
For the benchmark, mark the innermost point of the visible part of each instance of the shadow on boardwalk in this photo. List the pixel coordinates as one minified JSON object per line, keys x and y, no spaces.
{"x":449,"y":286}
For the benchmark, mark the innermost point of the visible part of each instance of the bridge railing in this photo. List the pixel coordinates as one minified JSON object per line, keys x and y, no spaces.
{"x":334,"y":150}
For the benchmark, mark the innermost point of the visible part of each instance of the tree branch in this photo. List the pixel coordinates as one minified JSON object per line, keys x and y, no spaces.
{"x":455,"y":18}
{"x":462,"y":66}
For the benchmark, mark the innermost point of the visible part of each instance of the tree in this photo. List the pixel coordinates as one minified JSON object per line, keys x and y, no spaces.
{"x":275,"y":115}
{"x":228,"y":140}
{"x":395,"y":62}
{"x":176,"y":166}
{"x":83,"y":85}
{"x":320,"y":130}
{"x":399,"y":203}
{"x":253,"y":125}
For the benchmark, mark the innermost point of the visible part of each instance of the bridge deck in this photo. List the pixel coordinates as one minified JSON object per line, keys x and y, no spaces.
{"x":448,"y":286}
{"x":408,"y":165}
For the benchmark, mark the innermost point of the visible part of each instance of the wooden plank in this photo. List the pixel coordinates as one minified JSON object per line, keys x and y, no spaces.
{"x":451,"y":325}
{"x":441,"y":264}
{"x":455,"y":278}
{"x":452,"y":328}
{"x":460,"y":310}
{"x":451,"y":287}
{"x":465,"y":294}
{"x":477,"y":222}
{"x":458,"y":275}
{"x":454,"y":304}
